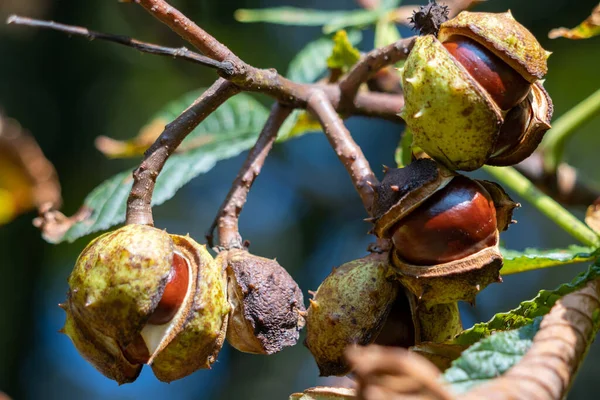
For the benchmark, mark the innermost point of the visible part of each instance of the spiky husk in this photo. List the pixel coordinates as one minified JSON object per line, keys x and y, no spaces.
{"x":118,"y":280}
{"x":505,"y":37}
{"x":350,"y":307}
{"x":451,"y":117}
{"x":452,"y":281}
{"x":116,"y":285}
{"x":196,"y":345}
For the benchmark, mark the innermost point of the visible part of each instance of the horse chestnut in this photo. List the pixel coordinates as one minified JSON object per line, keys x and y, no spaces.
{"x":502,"y":82}
{"x":444,"y":230}
{"x":457,"y":221}
{"x":462,"y":86}
{"x":141,"y":296}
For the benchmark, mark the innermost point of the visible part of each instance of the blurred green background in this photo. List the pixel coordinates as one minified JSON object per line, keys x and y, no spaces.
{"x":302,"y":210}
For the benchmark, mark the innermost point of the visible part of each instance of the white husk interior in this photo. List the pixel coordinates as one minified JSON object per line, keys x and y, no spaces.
{"x":157,"y":337}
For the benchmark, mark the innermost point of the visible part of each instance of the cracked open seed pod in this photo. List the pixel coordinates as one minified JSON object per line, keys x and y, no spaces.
{"x":349,"y":307}
{"x":267,"y":304}
{"x":473,"y":94}
{"x":139,"y":295}
{"x":444,"y":228}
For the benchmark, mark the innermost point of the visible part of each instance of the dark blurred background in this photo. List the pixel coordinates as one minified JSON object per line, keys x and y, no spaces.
{"x":302,"y":210}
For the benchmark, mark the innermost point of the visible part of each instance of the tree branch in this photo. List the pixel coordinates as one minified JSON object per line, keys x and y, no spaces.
{"x":178,"y":53}
{"x":187,"y":29}
{"x":372,"y":62}
{"x":349,"y":153}
{"x":565,"y":185}
{"x":144,"y":177}
{"x":228,"y":216}
{"x":268,"y":81}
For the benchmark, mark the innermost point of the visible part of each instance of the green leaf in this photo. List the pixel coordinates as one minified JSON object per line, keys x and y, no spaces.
{"x":310,"y":63}
{"x":386,"y":33}
{"x":389,"y":4}
{"x":344,"y":55}
{"x":527,"y":311}
{"x":290,"y":16}
{"x":403,"y":155}
{"x":355,"y":19}
{"x":532,"y":259}
{"x":227,"y":132}
{"x":490,"y":357}
{"x":308,"y":66}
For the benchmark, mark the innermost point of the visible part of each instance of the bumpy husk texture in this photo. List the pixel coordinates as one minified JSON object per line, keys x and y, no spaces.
{"x":350,"y":307}
{"x":117,"y":283}
{"x":452,"y":117}
{"x":267,"y":304}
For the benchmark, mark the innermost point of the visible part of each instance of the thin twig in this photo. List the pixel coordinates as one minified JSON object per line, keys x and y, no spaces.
{"x":349,"y":153}
{"x":187,"y":29}
{"x":268,"y":81}
{"x":372,"y":62}
{"x":565,"y":185}
{"x":563,"y":128}
{"x":144,"y":177}
{"x":179,"y":52}
{"x":512,"y":179}
{"x":228,"y":216}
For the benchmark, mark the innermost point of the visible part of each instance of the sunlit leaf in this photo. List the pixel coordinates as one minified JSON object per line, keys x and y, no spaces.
{"x":530,"y":259}
{"x":490,"y":357}
{"x":344,"y":55}
{"x":308,"y":66}
{"x":386,"y":33}
{"x":289,"y":16}
{"x":298,"y":123}
{"x":232,"y":128}
{"x":527,"y":311}
{"x":233,"y":120}
{"x":403,"y":155}
{"x":27,"y":179}
{"x":587,"y":29}
{"x":310,"y":63}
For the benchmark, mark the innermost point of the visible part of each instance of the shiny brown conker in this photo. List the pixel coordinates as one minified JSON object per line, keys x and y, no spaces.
{"x":174,"y":293}
{"x":505,"y":85}
{"x":457,"y":221}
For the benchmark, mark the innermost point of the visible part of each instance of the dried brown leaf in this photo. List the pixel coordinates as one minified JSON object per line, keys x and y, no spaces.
{"x":27,"y":179}
{"x":587,"y":29}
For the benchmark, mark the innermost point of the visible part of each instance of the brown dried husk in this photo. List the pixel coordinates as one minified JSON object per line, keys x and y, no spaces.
{"x":541,"y":110}
{"x":416,"y":182}
{"x":267,"y":304}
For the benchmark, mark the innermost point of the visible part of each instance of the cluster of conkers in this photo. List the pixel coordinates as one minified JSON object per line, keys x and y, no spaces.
{"x":473,"y":96}
{"x":139,"y":295}
{"x":443,"y":229}
{"x":474,"y":93}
